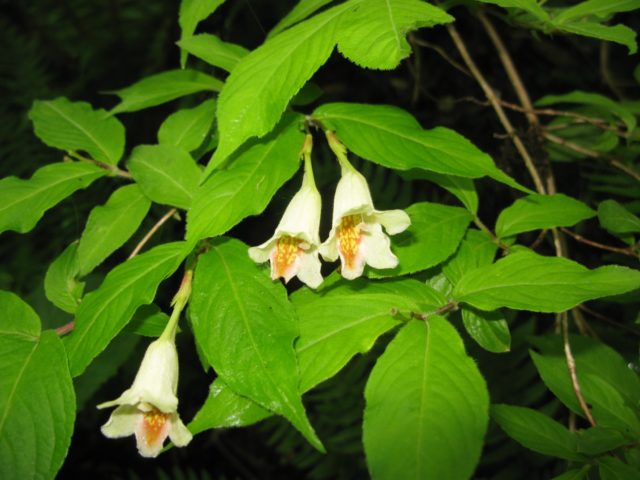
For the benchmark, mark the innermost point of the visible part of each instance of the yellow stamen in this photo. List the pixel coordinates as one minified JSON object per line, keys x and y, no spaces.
{"x":287,"y":250}
{"x":153,"y":424}
{"x":349,"y":238}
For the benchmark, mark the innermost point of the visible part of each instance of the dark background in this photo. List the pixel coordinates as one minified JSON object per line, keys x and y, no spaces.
{"x":82,"y":49}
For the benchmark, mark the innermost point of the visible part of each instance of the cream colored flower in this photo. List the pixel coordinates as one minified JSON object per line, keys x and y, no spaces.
{"x":293,"y":248}
{"x":356,"y":235}
{"x":148,"y":409}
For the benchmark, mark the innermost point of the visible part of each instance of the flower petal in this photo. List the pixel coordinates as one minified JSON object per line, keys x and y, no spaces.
{"x":377,"y":248}
{"x":352,"y":196}
{"x":309,"y":269}
{"x":393,"y":221}
{"x":301,"y":219}
{"x":122,"y":422}
{"x":151,"y":431}
{"x":179,"y":434}
{"x":260,"y":254}
{"x":329,"y":249}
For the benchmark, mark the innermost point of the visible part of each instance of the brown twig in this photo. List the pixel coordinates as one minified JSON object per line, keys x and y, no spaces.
{"x":606,"y":319}
{"x":486,"y":230}
{"x":495,"y":103}
{"x":592,"y":154}
{"x":602,"y":246}
{"x":113,"y":169}
{"x":443,"y":54}
{"x":571,"y":365}
{"x":151,"y":231}
{"x":66,"y":328}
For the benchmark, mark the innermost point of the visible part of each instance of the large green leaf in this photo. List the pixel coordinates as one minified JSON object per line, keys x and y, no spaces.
{"x":347,"y":319}
{"x":68,"y":125}
{"x":283,"y":64}
{"x":616,"y":33}
{"x":530,"y":6}
{"x":462,"y":188}
{"x":373,"y":33}
{"x":617,"y":219}
{"x":37,"y":401}
{"x":110,"y":225}
{"x":104,"y":312}
{"x":213,"y":50}
{"x":23,"y":202}
{"x":426,"y":406}
{"x":223,"y":408}
{"x":393,"y":138}
{"x":536,"y":431}
{"x":526,"y":281}
{"x":535,"y":212}
{"x":162,"y":88}
{"x":246,"y":327}
{"x":612,"y":468}
{"x":435,"y":233}
{"x":166,"y":174}
{"x":489,"y":329}
{"x":476,"y":250}
{"x":248,"y":184}
{"x":596,"y":8}
{"x":60,"y":284}
{"x":389,"y":21}
{"x":188,"y":128}
{"x":191,"y":13}
{"x":302,"y":10}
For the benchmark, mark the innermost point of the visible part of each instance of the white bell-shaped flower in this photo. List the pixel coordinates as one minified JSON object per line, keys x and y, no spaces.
{"x":293,"y":248}
{"x":356,"y":234}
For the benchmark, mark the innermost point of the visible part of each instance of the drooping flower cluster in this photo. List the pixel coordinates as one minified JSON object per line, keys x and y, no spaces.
{"x":149,"y":409}
{"x":356,"y":235}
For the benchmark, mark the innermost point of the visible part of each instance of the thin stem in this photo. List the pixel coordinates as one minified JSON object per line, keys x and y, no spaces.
{"x":602,"y":246}
{"x":571,"y":365}
{"x":510,"y":68}
{"x":486,"y":230}
{"x":113,"y":169}
{"x":495,"y":103}
{"x":151,"y":232}
{"x":179,"y":302}
{"x":443,"y":54}
{"x":592,"y":154}
{"x":339,"y":150}
{"x":606,"y":319}
{"x":66,"y":328}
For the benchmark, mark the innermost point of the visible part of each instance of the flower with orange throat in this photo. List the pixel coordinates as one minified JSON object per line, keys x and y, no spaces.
{"x":148,"y":409}
{"x":356,"y":234}
{"x":293,"y":248}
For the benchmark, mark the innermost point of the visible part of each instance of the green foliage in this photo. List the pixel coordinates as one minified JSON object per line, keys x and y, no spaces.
{"x":192,"y":12}
{"x":617,"y":219}
{"x":61,"y":286}
{"x":188,"y":128}
{"x":243,"y":323}
{"x":37,"y":400}
{"x":398,"y":429}
{"x":213,"y":50}
{"x":489,"y":329}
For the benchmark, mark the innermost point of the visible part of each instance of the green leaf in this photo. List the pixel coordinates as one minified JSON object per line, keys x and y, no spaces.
{"x":535,"y":212}
{"x":250,"y":108}
{"x":76,"y":126}
{"x":60,"y":284}
{"x":248,"y":184}
{"x":18,"y":317}
{"x":489,"y":329}
{"x":608,"y":385}
{"x":24,"y":202}
{"x":617,"y":33}
{"x":536,"y":431}
{"x":223,"y":408}
{"x":104,"y":312}
{"x":526,"y":281}
{"x":611,"y":468}
{"x":574,"y":473}
{"x":617,"y":219}
{"x":37,"y":401}
{"x":597,"y":8}
{"x":166,"y":174}
{"x":462,"y":188}
{"x":302,"y":10}
{"x":393,"y":138}
{"x":148,"y":321}
{"x":188,"y":128}
{"x":109,"y":226}
{"x":605,"y":104}
{"x":420,"y":420}
{"x":476,"y":250}
{"x":347,"y":319}
{"x":246,"y":327}
{"x":162,"y":88}
{"x":191,"y":13}
{"x":435,"y":233}
{"x":214,"y":51}
{"x":387,"y":22}
{"x":530,"y":6}
{"x":598,"y":440}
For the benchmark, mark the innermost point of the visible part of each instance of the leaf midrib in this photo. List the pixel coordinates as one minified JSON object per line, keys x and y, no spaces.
{"x":423,"y":395}
{"x":15,"y":386}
